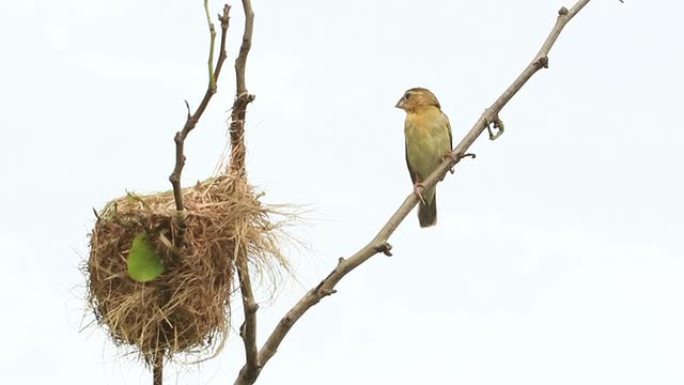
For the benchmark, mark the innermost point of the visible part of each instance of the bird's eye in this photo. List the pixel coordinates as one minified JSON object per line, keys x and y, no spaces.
{"x":407,"y":96}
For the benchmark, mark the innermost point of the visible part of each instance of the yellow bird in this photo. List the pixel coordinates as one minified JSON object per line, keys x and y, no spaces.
{"x":427,"y":134}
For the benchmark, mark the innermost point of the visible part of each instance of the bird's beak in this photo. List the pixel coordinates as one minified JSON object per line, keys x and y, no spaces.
{"x":400,"y":104}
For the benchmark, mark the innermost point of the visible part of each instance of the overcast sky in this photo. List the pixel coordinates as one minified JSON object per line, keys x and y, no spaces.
{"x":558,"y":254}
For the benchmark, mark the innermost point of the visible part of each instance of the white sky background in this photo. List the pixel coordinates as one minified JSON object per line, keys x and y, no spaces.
{"x":558,"y":255}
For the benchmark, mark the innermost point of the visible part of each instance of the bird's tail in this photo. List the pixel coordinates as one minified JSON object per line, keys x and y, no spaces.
{"x":427,"y":212}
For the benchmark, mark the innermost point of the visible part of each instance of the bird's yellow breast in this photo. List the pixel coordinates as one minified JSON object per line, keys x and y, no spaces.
{"x":427,"y":140}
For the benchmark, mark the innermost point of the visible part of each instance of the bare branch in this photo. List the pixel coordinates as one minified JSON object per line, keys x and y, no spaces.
{"x":241,"y":60}
{"x":192,"y":119}
{"x":248,"y":329}
{"x":379,"y":243}
{"x":242,"y":97}
{"x":250,"y":371}
{"x":212,"y":40}
{"x":225,"y":20}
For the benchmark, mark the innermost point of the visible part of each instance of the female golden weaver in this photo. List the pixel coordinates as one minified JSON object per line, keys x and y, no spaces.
{"x":427,"y":134}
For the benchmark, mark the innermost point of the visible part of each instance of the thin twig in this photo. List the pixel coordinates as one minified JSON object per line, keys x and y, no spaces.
{"x":192,"y":119}
{"x":379,"y":243}
{"x":212,"y":41}
{"x":250,"y":371}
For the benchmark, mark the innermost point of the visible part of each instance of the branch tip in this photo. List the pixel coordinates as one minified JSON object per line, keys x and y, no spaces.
{"x":223,"y":17}
{"x":187,"y":106}
{"x":564,"y":11}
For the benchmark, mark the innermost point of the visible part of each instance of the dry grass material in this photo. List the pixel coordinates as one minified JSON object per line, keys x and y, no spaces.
{"x":186,"y":309}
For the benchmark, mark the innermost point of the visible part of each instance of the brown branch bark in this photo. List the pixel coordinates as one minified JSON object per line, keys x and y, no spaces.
{"x":237,"y":169}
{"x":379,"y":243}
{"x":242,"y":97}
{"x":248,"y":328}
{"x":192,"y":119}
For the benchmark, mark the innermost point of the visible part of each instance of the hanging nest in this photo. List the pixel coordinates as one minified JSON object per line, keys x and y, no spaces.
{"x":186,"y":308}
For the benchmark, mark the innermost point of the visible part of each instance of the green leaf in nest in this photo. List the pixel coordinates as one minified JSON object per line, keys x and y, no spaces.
{"x":143,"y":262}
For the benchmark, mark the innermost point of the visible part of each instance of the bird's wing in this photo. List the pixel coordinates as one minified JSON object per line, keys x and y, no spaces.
{"x":408,"y":164}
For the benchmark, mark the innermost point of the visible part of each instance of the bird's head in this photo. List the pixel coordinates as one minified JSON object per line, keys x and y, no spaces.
{"x":417,"y":98}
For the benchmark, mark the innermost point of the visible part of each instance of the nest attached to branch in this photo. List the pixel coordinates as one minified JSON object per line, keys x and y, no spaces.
{"x":186,"y":308}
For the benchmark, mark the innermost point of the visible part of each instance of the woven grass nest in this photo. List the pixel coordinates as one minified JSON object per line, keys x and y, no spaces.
{"x":186,"y":308}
